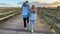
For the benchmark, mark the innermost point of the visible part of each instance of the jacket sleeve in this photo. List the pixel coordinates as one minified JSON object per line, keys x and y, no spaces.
{"x":29,"y":13}
{"x":29,"y":7}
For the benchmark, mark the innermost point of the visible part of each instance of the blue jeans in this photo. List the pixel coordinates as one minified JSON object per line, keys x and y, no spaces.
{"x":31,"y":24}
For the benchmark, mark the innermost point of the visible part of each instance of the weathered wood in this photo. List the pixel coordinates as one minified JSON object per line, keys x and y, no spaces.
{"x":16,"y":24}
{"x":8,"y":16}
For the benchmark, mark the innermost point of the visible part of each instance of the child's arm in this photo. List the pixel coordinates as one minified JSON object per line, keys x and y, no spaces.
{"x":28,"y":7}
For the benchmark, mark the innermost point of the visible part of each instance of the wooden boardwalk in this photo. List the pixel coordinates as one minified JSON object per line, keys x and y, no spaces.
{"x":15,"y":26}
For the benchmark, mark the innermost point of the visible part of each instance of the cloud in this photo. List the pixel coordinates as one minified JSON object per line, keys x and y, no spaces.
{"x":47,"y":1}
{"x":11,"y":5}
{"x":58,"y":0}
{"x":38,"y":1}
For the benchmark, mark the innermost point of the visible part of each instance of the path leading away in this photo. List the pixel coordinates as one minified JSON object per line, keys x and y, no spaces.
{"x":15,"y":26}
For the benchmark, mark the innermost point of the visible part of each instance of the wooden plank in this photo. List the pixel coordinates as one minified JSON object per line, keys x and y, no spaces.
{"x":7,"y":12}
{"x":8,"y":16}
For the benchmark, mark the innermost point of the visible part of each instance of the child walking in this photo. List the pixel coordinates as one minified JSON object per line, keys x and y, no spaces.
{"x":32,"y":17}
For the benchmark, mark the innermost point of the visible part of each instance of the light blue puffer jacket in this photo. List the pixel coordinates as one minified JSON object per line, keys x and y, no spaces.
{"x":32,"y":15}
{"x":25,"y":10}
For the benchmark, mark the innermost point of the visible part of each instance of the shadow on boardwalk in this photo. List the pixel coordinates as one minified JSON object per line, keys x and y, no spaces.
{"x":22,"y":30}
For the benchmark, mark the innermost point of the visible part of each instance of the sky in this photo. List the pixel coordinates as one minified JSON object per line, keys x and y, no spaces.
{"x":13,"y":1}
{"x":16,"y":1}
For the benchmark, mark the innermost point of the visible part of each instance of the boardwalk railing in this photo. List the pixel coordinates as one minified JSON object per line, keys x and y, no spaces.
{"x":52,"y":17}
{"x":8,"y":14}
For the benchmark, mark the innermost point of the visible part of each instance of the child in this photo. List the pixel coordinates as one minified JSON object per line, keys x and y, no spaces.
{"x":32,"y":17}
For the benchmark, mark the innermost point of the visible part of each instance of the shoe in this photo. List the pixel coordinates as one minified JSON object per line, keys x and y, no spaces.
{"x":25,"y":28}
{"x":32,"y":31}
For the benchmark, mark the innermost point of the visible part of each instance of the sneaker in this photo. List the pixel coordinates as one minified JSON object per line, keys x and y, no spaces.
{"x":32,"y":31}
{"x":25,"y":28}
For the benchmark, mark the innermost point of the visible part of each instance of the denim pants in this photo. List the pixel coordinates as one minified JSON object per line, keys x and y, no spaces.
{"x":31,"y":24}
